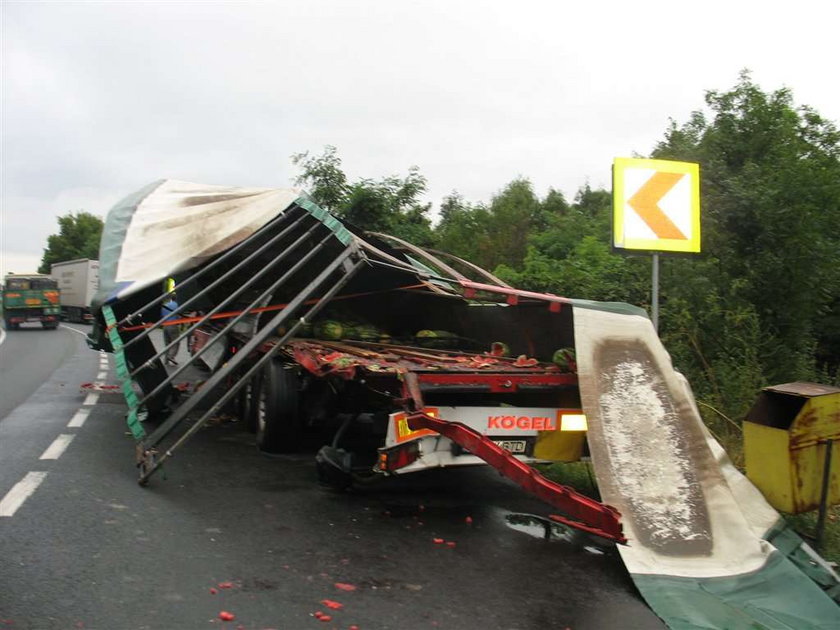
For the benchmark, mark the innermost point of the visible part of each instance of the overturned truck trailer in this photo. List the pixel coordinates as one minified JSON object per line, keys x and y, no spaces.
{"x":310,"y":327}
{"x":399,"y":359}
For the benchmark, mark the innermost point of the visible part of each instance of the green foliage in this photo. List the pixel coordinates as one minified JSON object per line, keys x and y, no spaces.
{"x":391,"y":205}
{"x":714,"y":336}
{"x":78,"y":237}
{"x":464,"y":230}
{"x":572,"y":255}
{"x":323,"y":178}
{"x":514,"y":214}
{"x":770,"y":175}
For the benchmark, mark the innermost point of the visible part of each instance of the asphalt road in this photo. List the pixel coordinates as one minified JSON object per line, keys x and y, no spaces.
{"x":228,"y":529}
{"x":27,"y":357}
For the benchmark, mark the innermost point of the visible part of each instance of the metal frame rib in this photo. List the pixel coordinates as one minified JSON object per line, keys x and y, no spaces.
{"x":344,"y":263}
{"x":130,"y":318}
{"x":244,"y":287}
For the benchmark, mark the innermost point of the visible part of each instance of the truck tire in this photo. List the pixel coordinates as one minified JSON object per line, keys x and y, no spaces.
{"x":246,"y":403}
{"x":278,"y":417}
{"x":49,"y":325}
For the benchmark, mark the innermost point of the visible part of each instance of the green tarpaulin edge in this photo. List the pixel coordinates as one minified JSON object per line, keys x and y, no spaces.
{"x":776,"y":597}
{"x":131,"y":399}
{"x":336,"y":226}
{"x":621,"y":308}
{"x":783,"y":537}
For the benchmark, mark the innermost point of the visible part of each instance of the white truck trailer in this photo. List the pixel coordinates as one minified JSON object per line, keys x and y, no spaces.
{"x":79,"y":282}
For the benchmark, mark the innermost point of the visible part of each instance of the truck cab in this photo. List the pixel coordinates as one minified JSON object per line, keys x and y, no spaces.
{"x":30,"y":298}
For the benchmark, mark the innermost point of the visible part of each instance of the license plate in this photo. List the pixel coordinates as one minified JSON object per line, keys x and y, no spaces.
{"x":517,"y":447}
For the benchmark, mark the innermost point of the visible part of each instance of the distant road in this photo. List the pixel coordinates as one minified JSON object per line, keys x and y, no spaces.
{"x":27,"y":358}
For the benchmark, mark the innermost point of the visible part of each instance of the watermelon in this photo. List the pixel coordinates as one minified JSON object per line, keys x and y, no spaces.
{"x":565,"y":359}
{"x":329,"y":330}
{"x":364,"y":332}
{"x":499,"y":349}
{"x":525,"y":361}
{"x":435,"y":338}
{"x":434,"y":334}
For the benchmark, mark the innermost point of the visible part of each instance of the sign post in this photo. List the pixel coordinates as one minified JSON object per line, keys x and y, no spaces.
{"x":656,"y":208}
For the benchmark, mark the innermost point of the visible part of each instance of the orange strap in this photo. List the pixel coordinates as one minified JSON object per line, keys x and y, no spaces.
{"x":259,"y":309}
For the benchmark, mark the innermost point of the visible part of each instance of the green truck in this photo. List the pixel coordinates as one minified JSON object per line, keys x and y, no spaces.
{"x":31,"y":298}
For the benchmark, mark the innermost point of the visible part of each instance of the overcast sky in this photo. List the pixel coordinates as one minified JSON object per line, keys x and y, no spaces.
{"x":101,"y":98}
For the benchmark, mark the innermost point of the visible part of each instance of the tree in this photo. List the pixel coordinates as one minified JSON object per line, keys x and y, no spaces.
{"x":464,"y":230}
{"x":514,"y":215}
{"x":770,"y":177}
{"x":78,"y":237}
{"x":322,"y":176}
{"x":391,"y":205}
{"x":571,"y":256}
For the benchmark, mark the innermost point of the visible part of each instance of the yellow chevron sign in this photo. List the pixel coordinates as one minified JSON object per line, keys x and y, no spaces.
{"x":656,"y":205}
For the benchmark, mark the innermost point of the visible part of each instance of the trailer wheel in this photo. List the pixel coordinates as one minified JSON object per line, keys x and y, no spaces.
{"x":247,"y":402}
{"x":277,"y":413}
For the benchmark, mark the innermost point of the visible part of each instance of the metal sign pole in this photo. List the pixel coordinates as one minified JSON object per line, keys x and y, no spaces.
{"x":826,"y":482}
{"x":654,"y":292}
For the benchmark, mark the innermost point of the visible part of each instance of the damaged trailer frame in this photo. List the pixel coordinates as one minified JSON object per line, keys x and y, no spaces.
{"x":252,"y":298}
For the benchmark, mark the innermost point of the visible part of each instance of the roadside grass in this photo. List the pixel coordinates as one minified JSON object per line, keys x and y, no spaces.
{"x":577,"y":475}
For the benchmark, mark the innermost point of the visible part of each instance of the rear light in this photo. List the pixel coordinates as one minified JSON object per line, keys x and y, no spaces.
{"x":399,"y":456}
{"x":572,"y":421}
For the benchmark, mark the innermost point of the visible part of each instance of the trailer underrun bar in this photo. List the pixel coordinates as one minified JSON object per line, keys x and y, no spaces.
{"x":586,"y":514}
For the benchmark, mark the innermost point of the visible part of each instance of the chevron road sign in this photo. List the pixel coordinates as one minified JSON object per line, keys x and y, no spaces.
{"x":656,"y":205}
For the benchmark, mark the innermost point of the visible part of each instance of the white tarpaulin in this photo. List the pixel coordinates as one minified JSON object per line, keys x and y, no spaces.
{"x":178,"y":225}
{"x":697,"y":547}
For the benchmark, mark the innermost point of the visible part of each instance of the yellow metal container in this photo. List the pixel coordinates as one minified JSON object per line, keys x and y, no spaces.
{"x":564,"y":443}
{"x":786,"y":434}
{"x":560,"y":446}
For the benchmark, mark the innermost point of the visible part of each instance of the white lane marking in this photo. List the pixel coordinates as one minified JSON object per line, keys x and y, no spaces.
{"x":79,"y":419}
{"x":101,"y":376}
{"x":78,"y":332}
{"x":2,"y":335}
{"x":57,"y":448}
{"x":20,"y":492}
{"x":91,"y":399}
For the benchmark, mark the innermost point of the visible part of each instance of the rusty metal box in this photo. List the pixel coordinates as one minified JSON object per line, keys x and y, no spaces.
{"x":786,"y":434}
